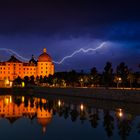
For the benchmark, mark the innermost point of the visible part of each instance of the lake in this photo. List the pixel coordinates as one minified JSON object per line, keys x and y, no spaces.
{"x":67,"y":118}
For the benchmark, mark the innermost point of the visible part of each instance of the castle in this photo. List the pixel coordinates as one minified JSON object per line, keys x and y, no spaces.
{"x":11,"y":69}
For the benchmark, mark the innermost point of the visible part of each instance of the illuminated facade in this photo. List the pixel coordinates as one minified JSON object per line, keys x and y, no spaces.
{"x":13,"y":68}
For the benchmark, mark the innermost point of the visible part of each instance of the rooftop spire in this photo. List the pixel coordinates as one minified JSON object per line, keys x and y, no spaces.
{"x":44,"y":50}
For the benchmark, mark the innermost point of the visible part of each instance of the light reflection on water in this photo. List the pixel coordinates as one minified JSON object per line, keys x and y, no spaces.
{"x":27,"y":117}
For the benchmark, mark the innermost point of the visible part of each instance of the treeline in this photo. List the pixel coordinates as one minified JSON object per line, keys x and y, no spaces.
{"x":122,"y":76}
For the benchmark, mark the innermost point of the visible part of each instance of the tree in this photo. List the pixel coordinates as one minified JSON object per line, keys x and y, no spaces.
{"x":93,"y":71}
{"x":107,"y":74}
{"x":26,"y":80}
{"x":122,"y":71}
{"x":32,"y":81}
{"x":130,"y":78}
{"x":18,"y":81}
{"x":94,"y":77}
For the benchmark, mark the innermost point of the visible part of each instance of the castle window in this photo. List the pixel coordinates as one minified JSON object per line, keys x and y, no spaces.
{"x":41,"y":63}
{"x":8,"y":72}
{"x":41,"y":71}
{"x":41,"y":67}
{"x":46,"y":67}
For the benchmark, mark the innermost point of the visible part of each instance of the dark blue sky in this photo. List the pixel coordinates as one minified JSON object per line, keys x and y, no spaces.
{"x":67,"y":25}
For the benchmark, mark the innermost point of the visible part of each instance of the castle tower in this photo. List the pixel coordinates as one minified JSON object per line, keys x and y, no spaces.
{"x":45,"y":65}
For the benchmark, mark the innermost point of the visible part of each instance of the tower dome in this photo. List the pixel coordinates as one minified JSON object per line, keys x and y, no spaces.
{"x":44,"y":57}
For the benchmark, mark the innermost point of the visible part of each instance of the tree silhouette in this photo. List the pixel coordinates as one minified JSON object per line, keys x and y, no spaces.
{"x":74,"y":114}
{"x":26,"y":80}
{"x":107,"y":74}
{"x":124,"y":128}
{"x":94,"y":77}
{"x":94,"y":118}
{"x":122,"y":71}
{"x":108,"y":123}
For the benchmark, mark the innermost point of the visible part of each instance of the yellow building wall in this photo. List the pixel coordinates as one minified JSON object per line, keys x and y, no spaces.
{"x":45,"y":69}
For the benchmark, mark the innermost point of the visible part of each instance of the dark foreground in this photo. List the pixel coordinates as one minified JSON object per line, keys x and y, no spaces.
{"x":43,"y":114}
{"x":60,"y":117}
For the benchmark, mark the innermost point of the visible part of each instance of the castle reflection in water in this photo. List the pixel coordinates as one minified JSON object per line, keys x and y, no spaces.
{"x":14,"y":107}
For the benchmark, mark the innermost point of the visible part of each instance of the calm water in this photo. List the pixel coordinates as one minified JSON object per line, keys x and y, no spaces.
{"x":34,"y":118}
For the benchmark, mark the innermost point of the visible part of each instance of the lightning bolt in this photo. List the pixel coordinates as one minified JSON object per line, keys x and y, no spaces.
{"x":63,"y":59}
{"x":78,"y":51}
{"x":15,"y":53}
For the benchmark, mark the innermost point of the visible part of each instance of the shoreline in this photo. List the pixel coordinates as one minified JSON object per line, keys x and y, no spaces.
{"x":123,"y":95}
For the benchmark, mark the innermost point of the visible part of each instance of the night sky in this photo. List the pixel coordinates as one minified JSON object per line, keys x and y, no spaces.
{"x":66,"y":26}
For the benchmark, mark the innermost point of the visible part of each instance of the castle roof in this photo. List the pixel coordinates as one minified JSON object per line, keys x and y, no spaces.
{"x":14,"y":59}
{"x":44,"y":57}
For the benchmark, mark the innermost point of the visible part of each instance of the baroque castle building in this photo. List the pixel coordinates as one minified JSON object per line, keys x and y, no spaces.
{"x":13,"y":68}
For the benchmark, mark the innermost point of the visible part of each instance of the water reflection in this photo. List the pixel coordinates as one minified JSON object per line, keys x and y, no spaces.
{"x":14,"y":107}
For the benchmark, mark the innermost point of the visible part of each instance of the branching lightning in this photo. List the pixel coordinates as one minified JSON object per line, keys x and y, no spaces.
{"x":63,"y":59}
{"x":78,"y":51}
{"x":14,"y":53}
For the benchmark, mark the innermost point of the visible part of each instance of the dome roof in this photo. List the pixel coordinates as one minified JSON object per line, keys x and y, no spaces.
{"x":44,"y":57}
{"x":44,"y":121}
